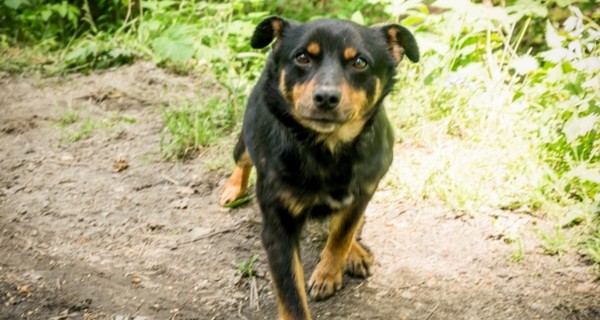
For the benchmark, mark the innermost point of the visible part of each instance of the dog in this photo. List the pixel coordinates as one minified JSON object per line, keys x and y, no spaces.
{"x":320,"y":140}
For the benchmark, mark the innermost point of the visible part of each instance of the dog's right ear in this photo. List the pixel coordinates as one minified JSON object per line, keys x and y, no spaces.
{"x":267,"y":30}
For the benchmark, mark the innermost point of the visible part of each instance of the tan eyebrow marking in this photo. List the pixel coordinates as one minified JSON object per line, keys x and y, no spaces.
{"x":350,"y":53}
{"x":314,"y":49}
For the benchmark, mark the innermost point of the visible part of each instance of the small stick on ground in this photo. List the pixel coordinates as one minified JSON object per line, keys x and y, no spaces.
{"x":212,"y":234}
{"x":171,"y":180}
{"x":240,"y":312}
{"x":432,"y":311}
{"x":254,"y":299}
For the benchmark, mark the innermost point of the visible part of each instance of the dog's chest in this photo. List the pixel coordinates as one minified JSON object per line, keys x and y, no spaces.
{"x":327,"y":186}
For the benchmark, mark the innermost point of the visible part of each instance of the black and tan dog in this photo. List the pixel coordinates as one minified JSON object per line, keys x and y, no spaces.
{"x":315,"y":129}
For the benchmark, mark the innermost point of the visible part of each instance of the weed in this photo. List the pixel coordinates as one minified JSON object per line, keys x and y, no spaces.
{"x":68,"y":118}
{"x":83,"y":131}
{"x":246,"y":268}
{"x":187,"y":128}
{"x":591,"y":246}
{"x":517,"y":253}
{"x":555,"y":242}
{"x":71,"y":117}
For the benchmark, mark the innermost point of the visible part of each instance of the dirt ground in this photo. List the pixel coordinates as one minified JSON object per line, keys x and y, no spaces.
{"x":83,"y":237}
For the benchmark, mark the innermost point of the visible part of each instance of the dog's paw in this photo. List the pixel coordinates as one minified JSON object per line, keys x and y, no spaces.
{"x":324,"y":282}
{"x":359,"y":261}
{"x":230,"y":193}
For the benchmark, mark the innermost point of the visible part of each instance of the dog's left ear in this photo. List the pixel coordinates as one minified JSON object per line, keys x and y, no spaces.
{"x":400,"y":42}
{"x":267,"y":30}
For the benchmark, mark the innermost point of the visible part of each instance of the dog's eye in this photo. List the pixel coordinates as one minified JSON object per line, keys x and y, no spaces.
{"x":359,"y":63}
{"x":302,"y":59}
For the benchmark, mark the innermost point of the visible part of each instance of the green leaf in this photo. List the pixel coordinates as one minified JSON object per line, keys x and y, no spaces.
{"x":524,"y":64}
{"x":553,"y":39}
{"x":557,"y":55}
{"x":433,"y":75}
{"x":564,"y":3}
{"x":527,"y":8}
{"x":412,"y":20}
{"x":577,"y":127}
{"x":207,"y":53}
{"x":63,"y":9}
{"x":241,"y":27}
{"x":46,"y":14}
{"x":585,"y":174}
{"x":118,"y":53}
{"x":358,"y":18}
{"x":239,"y":201}
{"x":174,"y":44}
{"x":15,"y":4}
{"x":82,"y":51}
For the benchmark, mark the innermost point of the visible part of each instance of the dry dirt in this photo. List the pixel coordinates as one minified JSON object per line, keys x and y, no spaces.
{"x":83,"y":237}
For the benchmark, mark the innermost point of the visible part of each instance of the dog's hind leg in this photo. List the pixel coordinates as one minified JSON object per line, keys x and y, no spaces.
{"x":237,"y":184}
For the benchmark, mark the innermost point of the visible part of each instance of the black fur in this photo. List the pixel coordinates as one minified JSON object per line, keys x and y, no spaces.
{"x":294,"y":159}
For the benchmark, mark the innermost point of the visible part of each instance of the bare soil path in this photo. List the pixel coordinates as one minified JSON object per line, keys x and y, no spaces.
{"x":83,"y":237}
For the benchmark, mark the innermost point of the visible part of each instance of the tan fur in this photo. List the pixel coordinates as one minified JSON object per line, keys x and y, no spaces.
{"x":314,"y":49}
{"x":350,"y":53}
{"x":327,"y":276}
{"x":295,"y":206}
{"x":395,"y":48}
{"x":237,"y":184}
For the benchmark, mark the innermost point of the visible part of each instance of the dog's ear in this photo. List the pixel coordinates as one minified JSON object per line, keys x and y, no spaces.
{"x":400,"y":42}
{"x":267,"y":30}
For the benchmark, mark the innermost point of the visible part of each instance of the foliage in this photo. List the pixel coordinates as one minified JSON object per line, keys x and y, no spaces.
{"x":509,"y":125}
{"x":35,"y":20}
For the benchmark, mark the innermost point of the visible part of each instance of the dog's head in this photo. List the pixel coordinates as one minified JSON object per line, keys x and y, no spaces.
{"x":333,"y":74}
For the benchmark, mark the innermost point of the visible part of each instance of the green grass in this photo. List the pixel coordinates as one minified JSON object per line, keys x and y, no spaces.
{"x":246,"y":267}
{"x":555,"y":242}
{"x":74,"y":129}
{"x":591,"y":247}
{"x":68,"y":118}
{"x":189,"y":127}
{"x":517,"y":254}
{"x":82,"y":131}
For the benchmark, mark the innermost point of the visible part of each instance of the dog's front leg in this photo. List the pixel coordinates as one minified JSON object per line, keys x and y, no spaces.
{"x":341,"y":251}
{"x":281,"y":240}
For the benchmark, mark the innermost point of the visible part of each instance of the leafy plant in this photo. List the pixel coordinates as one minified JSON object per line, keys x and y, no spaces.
{"x":556,"y":242}
{"x":246,"y":268}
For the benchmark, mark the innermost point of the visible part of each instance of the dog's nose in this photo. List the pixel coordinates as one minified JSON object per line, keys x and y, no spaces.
{"x":326,"y":98}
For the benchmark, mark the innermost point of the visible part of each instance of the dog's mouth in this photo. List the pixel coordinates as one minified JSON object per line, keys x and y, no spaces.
{"x":322,"y":124}
{"x":321,"y":121}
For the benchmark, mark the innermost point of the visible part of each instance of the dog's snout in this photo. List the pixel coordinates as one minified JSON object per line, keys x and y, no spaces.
{"x":326,"y":98}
